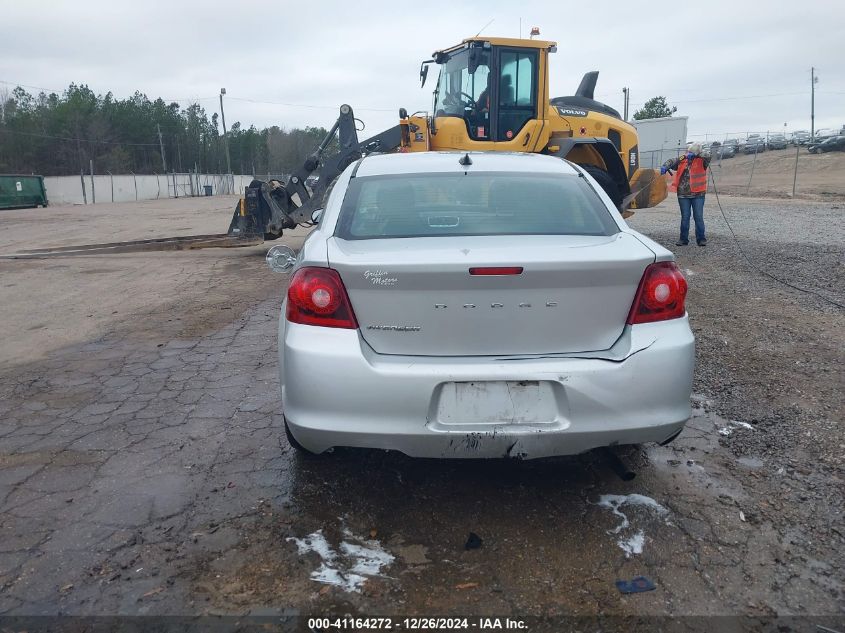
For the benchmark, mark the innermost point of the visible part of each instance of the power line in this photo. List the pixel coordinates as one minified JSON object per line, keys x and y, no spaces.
{"x":306,"y":105}
{"x":214,"y":98}
{"x":20,"y":85}
{"x":780,"y":94}
{"x":57,"y":91}
{"x":81,"y":140}
{"x":677,"y":90}
{"x":174,"y":99}
{"x":364,"y":109}
{"x":740,"y":98}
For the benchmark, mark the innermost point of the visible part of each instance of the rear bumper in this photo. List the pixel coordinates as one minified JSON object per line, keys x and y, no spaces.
{"x":338,"y":392}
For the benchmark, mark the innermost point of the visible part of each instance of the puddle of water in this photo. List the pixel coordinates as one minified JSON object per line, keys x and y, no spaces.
{"x":632,"y":544}
{"x":368,"y":560}
{"x":727,"y":427}
{"x":724,"y":427}
{"x":348,"y":568}
{"x":315,"y":542}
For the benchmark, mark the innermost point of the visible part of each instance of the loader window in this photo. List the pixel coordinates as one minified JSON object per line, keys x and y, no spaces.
{"x":464,"y":94}
{"x":517,"y":91}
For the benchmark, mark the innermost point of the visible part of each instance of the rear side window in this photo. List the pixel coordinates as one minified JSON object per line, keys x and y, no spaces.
{"x":490,"y":203}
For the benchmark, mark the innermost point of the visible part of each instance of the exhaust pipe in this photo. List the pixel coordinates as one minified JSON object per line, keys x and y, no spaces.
{"x":617,"y":464}
{"x":587,"y":87}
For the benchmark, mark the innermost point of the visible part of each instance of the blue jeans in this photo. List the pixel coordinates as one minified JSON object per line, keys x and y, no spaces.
{"x":696,"y":206}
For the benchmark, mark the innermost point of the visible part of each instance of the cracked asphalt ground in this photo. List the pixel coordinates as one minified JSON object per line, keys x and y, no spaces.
{"x":144,"y":468}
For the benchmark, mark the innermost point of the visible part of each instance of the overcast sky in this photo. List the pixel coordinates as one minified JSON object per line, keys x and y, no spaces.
{"x":727,"y":66}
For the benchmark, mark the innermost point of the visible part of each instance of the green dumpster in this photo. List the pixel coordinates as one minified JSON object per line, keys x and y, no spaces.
{"x":18,"y":191}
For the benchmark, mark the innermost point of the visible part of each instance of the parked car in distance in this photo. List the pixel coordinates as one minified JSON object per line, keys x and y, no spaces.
{"x":754,"y":144}
{"x":832,"y":144}
{"x":776,"y":141}
{"x":730,"y":148}
{"x":467,"y":305}
{"x":800,"y":137}
{"x":823,"y":134}
{"x":722,"y":150}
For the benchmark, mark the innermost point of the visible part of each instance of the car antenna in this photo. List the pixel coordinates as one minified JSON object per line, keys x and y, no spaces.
{"x":465,"y":160}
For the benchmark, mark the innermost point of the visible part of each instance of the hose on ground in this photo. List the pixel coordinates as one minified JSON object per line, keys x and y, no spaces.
{"x":753,"y":265}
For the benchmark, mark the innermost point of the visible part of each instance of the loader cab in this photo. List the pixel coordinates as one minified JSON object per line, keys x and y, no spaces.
{"x":491,"y":94}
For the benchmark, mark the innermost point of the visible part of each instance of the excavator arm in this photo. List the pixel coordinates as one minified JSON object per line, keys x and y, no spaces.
{"x":269,"y":207}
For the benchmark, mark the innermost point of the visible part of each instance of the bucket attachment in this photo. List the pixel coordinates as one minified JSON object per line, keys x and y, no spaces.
{"x":264,"y":211}
{"x":648,"y":189}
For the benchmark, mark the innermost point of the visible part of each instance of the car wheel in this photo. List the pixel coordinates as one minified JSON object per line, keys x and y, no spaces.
{"x":605,"y":182}
{"x":299,"y":448}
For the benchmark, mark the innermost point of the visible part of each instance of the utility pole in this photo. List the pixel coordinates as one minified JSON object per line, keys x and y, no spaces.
{"x":225,"y":139}
{"x":93,"y":194}
{"x":813,"y":81}
{"x":161,"y":147}
{"x":625,"y":98}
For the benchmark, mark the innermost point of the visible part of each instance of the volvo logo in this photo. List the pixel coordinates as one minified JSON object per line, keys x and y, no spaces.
{"x":571,"y":112}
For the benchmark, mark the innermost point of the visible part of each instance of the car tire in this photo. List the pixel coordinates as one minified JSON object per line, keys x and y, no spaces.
{"x":299,"y":448}
{"x":605,"y":182}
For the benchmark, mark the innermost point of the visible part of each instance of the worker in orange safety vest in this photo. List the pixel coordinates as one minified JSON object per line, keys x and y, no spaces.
{"x":690,"y":181}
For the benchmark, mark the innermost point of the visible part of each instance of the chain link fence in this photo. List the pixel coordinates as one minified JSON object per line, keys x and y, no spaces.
{"x":759,"y":171}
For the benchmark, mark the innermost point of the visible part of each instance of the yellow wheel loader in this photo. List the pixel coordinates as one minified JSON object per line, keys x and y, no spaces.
{"x":492,"y":94}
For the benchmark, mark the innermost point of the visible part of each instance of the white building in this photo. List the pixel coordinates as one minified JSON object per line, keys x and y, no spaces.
{"x":660,"y":139}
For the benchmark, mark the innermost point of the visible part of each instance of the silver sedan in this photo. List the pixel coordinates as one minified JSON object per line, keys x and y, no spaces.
{"x":480,"y":305}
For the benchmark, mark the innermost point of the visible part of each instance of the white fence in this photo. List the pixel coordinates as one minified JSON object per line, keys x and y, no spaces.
{"x":128,"y":188}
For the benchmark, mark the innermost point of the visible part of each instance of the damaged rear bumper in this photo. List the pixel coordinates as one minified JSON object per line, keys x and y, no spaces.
{"x":338,"y":392}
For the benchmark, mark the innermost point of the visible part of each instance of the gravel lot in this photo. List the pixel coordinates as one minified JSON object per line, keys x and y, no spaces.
{"x":144,"y":470}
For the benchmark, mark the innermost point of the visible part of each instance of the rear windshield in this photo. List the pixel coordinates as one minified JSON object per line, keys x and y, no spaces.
{"x":490,"y":203}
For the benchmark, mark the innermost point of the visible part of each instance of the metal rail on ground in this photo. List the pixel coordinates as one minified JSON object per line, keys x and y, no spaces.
{"x":182,"y":243}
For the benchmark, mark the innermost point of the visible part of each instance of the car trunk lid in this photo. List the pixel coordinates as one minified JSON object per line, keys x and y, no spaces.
{"x":416,"y":296}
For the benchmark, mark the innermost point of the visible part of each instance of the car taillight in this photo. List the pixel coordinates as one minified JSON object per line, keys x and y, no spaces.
{"x":316,"y":296}
{"x":661,"y":295}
